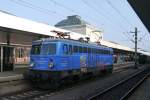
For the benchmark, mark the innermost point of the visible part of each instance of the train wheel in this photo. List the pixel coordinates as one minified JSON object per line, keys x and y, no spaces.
{"x":110,"y":70}
{"x":52,"y":84}
{"x":76,"y":78}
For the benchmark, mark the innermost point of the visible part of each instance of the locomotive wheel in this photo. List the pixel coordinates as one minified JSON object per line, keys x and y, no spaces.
{"x":52,"y":84}
{"x":110,"y":70}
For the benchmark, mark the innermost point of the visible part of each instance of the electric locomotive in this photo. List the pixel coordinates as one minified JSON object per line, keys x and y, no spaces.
{"x":56,"y":59}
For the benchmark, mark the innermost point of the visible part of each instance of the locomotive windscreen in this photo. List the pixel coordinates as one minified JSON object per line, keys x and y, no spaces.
{"x":44,"y":49}
{"x":49,"y":49}
{"x":36,"y":49}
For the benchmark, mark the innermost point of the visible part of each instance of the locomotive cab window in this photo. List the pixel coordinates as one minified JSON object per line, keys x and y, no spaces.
{"x":36,"y":49}
{"x":49,"y":49}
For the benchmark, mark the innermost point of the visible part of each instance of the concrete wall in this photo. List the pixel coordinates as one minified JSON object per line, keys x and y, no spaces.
{"x":76,"y":28}
{"x":95,"y":34}
{"x":85,"y":29}
{"x":18,"y":38}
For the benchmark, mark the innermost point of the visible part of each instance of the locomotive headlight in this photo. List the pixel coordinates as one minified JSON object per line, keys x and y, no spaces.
{"x":31,"y":64}
{"x":51,"y":64}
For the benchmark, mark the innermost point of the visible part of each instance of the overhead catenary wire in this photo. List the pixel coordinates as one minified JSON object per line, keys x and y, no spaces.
{"x":35,"y":7}
{"x":127,"y":21}
{"x":104,"y":16}
{"x":129,"y":39}
{"x":119,"y":13}
{"x":71,"y":10}
{"x":106,"y":12}
{"x":94,"y":9}
{"x":63,"y":6}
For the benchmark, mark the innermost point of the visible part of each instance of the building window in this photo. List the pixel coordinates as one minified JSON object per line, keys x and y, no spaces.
{"x":22,"y":55}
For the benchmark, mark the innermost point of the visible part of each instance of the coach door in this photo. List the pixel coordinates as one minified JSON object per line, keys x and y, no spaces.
{"x":8,"y":62}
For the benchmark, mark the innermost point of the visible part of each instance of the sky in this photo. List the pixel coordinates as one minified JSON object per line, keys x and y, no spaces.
{"x":115,"y":18}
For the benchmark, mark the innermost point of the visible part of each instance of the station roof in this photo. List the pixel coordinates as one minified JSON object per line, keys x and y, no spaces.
{"x":141,"y":8}
{"x":13,"y":22}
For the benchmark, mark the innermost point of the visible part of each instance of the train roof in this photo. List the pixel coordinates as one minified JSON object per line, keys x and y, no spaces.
{"x":72,"y":42}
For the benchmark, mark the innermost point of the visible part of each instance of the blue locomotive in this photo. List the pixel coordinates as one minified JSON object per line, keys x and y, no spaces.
{"x":53,"y":59}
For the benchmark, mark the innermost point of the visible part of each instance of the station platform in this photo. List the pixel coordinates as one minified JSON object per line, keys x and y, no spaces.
{"x":17,"y":74}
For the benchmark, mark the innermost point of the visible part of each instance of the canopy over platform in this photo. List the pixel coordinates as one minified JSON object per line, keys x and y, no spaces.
{"x":141,"y":7}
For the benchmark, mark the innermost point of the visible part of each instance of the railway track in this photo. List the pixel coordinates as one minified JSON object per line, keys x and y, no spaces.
{"x":122,"y":89}
{"x":27,"y":95}
{"x":39,"y":94}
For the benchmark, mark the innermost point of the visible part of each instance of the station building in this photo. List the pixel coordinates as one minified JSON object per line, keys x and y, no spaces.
{"x":76,"y":24}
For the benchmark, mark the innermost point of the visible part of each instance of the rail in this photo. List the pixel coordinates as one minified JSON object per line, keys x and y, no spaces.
{"x":122,"y":89}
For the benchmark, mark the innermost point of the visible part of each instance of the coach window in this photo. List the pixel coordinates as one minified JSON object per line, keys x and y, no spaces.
{"x":80,"y":49}
{"x":104,"y":51}
{"x":84,"y":50}
{"x":65,"y":49}
{"x":75,"y":49}
{"x":97,"y":50}
{"x":92,"y":50}
{"x":109,"y":52}
{"x":70,"y":49}
{"x":89,"y":50}
{"x":100,"y":51}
